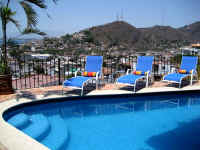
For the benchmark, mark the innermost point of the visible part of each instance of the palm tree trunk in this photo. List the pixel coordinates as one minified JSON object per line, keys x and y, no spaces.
{"x":4,"y":42}
{"x":7,"y":3}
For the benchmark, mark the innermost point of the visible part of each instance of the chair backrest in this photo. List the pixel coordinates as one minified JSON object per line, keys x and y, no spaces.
{"x":94,"y":64}
{"x":144,"y":63}
{"x":189,"y":62}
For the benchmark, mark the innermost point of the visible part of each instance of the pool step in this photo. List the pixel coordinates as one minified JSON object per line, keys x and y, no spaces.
{"x":39,"y":127}
{"x":58,"y":137}
{"x":20,"y":121}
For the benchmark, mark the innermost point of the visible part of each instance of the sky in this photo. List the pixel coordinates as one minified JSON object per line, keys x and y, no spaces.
{"x":69,"y":16}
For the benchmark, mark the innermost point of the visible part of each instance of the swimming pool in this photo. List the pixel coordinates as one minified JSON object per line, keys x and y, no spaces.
{"x":159,"y":121}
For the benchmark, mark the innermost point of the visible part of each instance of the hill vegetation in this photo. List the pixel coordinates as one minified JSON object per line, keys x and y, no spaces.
{"x":156,"y":37}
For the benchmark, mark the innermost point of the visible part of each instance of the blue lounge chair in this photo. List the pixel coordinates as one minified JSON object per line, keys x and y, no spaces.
{"x":187,"y":68}
{"x":93,"y":71}
{"x":144,"y":67}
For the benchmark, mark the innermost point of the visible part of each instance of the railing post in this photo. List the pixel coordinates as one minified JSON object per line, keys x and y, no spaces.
{"x":59,"y":74}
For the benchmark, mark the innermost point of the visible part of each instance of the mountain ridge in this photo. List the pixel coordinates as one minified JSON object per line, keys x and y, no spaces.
{"x":123,"y":33}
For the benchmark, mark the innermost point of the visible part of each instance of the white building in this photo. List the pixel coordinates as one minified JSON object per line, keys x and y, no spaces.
{"x":191,"y":50}
{"x":40,"y":56}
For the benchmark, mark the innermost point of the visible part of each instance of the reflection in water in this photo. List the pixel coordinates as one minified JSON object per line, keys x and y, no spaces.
{"x":184,"y":137}
{"x":84,"y":110}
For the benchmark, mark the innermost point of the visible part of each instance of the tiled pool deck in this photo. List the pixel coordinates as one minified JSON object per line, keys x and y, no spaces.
{"x":56,"y":91}
{"x":22,"y":96}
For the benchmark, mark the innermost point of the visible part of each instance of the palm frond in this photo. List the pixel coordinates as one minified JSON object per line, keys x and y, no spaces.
{"x":39,"y":3}
{"x":6,"y":13}
{"x":33,"y":31}
{"x":55,"y":1}
{"x":15,"y":22}
{"x":32,"y":18}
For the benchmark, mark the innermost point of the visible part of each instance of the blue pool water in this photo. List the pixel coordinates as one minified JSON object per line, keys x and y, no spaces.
{"x":159,"y":122}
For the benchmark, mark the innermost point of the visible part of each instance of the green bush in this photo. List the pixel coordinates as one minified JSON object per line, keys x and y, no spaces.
{"x":39,"y":69}
{"x":4,"y":69}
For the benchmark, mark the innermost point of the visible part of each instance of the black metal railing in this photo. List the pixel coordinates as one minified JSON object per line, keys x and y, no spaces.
{"x":33,"y":73}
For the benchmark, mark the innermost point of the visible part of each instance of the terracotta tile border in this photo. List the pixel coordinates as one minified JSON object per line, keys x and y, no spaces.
{"x":43,"y":90}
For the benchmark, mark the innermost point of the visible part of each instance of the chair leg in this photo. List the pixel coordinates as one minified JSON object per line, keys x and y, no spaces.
{"x":147,"y":82}
{"x":82,"y":91}
{"x":197,"y":77}
{"x":134,"y":87}
{"x":191,"y":79}
{"x":97,"y":84}
{"x":62,"y":90}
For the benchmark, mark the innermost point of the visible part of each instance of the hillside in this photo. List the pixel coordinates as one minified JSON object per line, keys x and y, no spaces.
{"x":120,"y":37}
{"x":116,"y":33}
{"x":192,"y":31}
{"x":122,"y":33}
{"x":159,"y":36}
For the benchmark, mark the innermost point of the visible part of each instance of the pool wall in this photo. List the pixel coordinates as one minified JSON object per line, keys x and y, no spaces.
{"x":14,"y":139}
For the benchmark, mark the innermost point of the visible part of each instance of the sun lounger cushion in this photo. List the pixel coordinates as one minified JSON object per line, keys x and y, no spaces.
{"x":177,"y":77}
{"x":77,"y":82}
{"x":182,"y":71}
{"x":89,"y":74}
{"x":130,"y":78}
{"x":138,"y":72}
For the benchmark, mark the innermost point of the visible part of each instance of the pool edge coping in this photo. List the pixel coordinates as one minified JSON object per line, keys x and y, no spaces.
{"x":12,"y":138}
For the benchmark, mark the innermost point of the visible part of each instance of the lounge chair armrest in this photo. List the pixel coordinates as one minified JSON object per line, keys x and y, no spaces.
{"x":127,"y":72}
{"x":147,"y":73}
{"x":192,"y":72}
{"x":97,"y":75}
{"x":173,"y":70}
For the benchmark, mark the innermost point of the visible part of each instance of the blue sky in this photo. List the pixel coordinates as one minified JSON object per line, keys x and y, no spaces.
{"x":70,"y":16}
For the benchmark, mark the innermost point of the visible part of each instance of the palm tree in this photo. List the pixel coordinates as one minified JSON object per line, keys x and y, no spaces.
{"x":6,"y":16}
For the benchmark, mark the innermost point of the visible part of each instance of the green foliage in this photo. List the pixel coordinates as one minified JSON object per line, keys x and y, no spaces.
{"x":87,"y":33}
{"x":16,"y":53}
{"x":88,"y":36}
{"x":66,"y":38}
{"x":79,"y":51}
{"x":75,"y":41}
{"x":7,"y":15}
{"x":176,"y":60}
{"x":114,"y":42}
{"x":33,"y":31}
{"x":4,"y":69}
{"x":39,"y":69}
{"x":52,"y":52}
{"x":11,"y":43}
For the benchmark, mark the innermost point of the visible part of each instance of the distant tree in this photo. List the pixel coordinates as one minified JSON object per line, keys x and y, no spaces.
{"x":66,"y":37}
{"x":39,"y":69}
{"x":12,"y":43}
{"x":88,"y":36}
